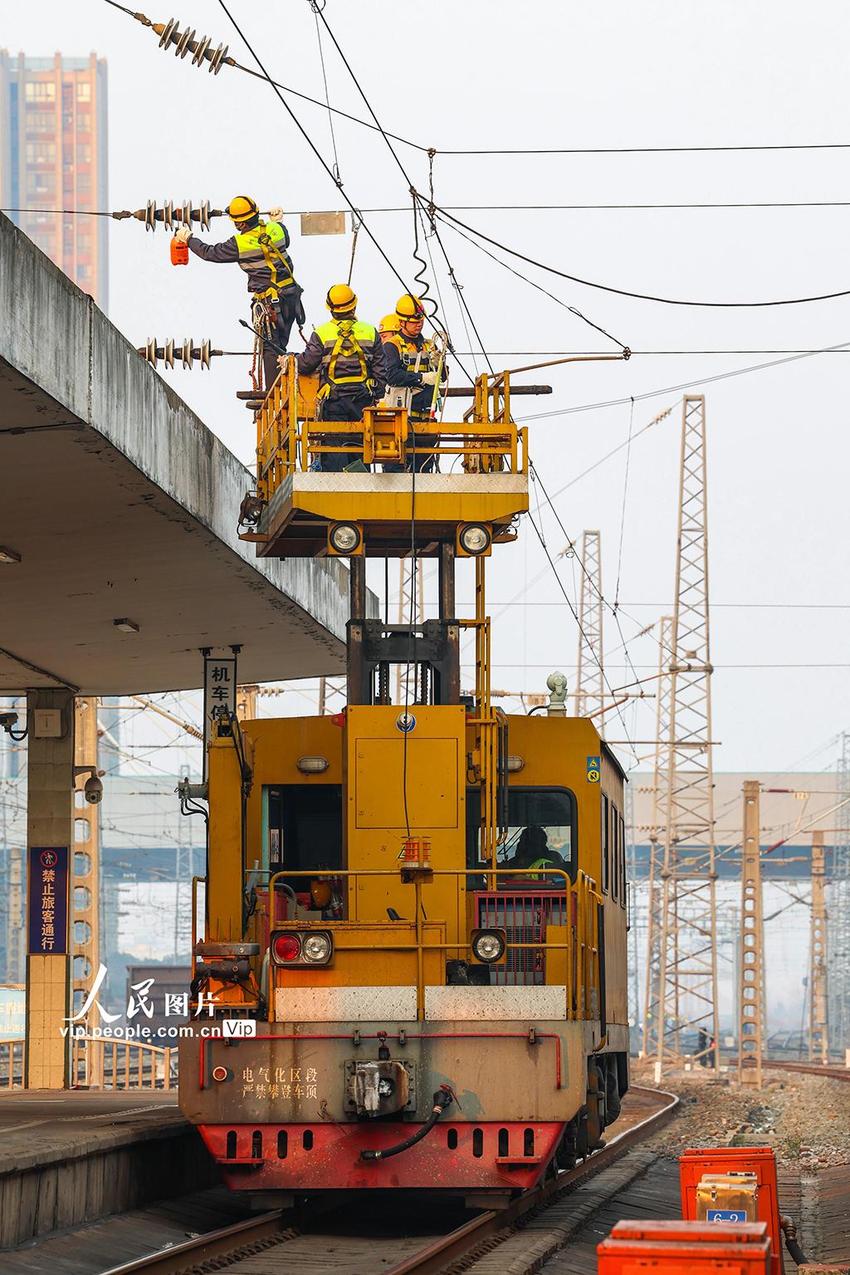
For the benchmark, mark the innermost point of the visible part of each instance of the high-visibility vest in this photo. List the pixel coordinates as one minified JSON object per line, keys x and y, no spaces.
{"x":348,"y":349}
{"x":266,"y":245}
{"x":543,"y":862}
{"x":416,"y":358}
{"x":410,"y":352}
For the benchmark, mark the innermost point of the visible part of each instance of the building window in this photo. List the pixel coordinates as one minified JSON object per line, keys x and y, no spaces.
{"x":39,"y":91}
{"x":41,"y":122}
{"x":83,"y":153}
{"x":40,"y":152}
{"x":84,"y":92}
{"x":83,"y":121}
{"x":83,"y":183}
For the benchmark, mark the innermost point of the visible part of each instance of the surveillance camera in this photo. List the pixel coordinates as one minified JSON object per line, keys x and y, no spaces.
{"x":8,"y":720}
{"x":93,"y":790}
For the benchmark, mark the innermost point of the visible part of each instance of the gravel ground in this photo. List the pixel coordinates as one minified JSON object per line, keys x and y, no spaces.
{"x":806,"y":1119}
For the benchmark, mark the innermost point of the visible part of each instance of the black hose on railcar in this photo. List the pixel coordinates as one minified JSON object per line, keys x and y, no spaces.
{"x":443,"y":1098}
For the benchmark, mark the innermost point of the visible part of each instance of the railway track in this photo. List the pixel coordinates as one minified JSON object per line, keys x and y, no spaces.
{"x":268,"y":1243}
{"x":811,"y":1069}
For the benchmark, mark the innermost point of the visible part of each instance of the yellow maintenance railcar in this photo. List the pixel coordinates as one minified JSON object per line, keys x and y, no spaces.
{"x":416,"y":908}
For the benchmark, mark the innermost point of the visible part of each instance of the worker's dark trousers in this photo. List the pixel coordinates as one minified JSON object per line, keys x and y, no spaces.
{"x":287,"y":309}
{"x":343,"y":405}
{"x":424,"y":463}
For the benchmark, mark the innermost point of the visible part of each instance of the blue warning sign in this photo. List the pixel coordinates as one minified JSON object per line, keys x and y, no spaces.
{"x":594,"y":769}
{"x":726,"y":1215}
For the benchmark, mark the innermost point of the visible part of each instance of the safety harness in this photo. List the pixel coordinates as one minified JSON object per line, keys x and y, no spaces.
{"x":346,"y":345}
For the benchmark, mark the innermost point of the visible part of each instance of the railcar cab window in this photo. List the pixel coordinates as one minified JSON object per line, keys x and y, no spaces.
{"x":541,"y":830}
{"x":303,"y":827}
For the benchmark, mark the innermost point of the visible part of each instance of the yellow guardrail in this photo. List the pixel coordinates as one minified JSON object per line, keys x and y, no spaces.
{"x":290,"y":438}
{"x":582,"y":923}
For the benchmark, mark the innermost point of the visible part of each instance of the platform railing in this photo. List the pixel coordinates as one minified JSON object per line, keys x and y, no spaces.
{"x":581,"y":951}
{"x":122,"y":1064}
{"x":291,"y":439}
{"x":11,"y":1063}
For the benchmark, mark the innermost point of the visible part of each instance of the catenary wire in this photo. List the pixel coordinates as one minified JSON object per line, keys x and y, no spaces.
{"x":315,"y":8}
{"x":539,"y":287}
{"x":405,"y":175}
{"x":655,"y":150}
{"x":805,"y":203}
{"x":639,"y":296}
{"x":672,"y":389}
{"x":305,"y":97}
{"x":336,"y":180}
{"x":575,"y":616}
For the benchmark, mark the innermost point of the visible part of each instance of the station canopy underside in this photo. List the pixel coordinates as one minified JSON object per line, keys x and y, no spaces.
{"x":121,"y":505}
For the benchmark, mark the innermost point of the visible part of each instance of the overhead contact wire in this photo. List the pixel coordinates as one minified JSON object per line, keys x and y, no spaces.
{"x":640,"y":296}
{"x":411,"y":187}
{"x":337,"y":182}
{"x":574,"y":310}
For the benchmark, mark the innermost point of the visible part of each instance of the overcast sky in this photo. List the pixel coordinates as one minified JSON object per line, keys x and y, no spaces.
{"x":488,"y":75}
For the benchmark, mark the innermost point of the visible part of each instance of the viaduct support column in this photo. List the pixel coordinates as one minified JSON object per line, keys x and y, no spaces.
{"x":50,"y":840}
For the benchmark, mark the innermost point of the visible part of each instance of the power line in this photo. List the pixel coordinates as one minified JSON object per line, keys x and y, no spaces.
{"x":335,"y":179}
{"x":321,"y":16}
{"x":637,"y":296}
{"x":672,"y":389}
{"x":655,"y":150}
{"x":539,"y":287}
{"x":325,"y":106}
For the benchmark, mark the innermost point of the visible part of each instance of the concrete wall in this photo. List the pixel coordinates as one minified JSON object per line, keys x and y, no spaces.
{"x":54,"y":335}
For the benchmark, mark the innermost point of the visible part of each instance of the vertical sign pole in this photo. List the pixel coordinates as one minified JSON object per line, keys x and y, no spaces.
{"x":751,"y":997}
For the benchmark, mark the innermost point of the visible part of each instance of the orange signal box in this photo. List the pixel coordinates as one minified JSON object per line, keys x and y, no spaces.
{"x":686,"y":1248}
{"x":755,"y":1170}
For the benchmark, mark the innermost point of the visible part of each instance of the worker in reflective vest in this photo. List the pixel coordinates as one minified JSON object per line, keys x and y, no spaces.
{"x":413,"y":362}
{"x":260,"y":249}
{"x":533,"y":856}
{"x":351,"y":363}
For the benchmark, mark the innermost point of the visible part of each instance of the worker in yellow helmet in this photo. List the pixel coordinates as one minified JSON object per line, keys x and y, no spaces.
{"x":352,"y":369}
{"x":260,"y":249}
{"x":388,"y":326}
{"x":413,"y":363}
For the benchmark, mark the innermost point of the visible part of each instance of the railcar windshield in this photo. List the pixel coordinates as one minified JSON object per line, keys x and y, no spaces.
{"x":541,"y":826}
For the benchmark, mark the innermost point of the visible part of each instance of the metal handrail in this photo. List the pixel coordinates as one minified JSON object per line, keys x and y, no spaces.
{"x":287,"y":442}
{"x":583,"y":973}
{"x":12,"y":1062}
{"x":140,"y":1062}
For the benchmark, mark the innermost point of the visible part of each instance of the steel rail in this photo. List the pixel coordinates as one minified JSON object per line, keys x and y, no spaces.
{"x":458,"y":1243}
{"x":810,"y":1069}
{"x":235,"y":1242}
{"x":214,"y":1244}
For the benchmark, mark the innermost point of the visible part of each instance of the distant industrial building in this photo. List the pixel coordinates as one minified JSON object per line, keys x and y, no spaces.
{"x":53,"y":154}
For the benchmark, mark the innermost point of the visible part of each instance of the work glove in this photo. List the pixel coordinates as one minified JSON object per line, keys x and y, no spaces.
{"x":430,"y":378}
{"x":184,"y":234}
{"x":275,"y":213}
{"x":281,"y":362}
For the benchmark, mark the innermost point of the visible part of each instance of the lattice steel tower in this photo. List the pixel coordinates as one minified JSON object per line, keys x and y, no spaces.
{"x":590,"y":677}
{"x":838,"y":901}
{"x":656,"y":839}
{"x":687,"y":980}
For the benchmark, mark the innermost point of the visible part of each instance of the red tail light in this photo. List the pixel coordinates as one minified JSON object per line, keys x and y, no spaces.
{"x":286,"y":948}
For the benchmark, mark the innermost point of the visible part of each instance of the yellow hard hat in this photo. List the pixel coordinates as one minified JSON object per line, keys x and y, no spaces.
{"x":341,"y":299}
{"x":389,"y":323}
{"x":242,"y":208}
{"x":408,"y":307}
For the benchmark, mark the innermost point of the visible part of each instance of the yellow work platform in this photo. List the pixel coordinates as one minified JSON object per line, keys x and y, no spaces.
{"x":481,"y":478}
{"x":295,"y":521}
